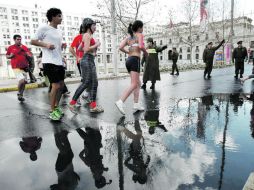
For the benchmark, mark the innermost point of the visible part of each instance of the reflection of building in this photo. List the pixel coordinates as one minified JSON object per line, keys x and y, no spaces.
{"x":179,"y":37}
{"x":25,"y":21}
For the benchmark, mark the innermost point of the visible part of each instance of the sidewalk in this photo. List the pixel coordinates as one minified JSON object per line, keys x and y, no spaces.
{"x":7,"y":85}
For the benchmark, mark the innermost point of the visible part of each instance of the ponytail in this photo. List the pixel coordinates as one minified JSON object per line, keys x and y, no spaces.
{"x":130,"y":30}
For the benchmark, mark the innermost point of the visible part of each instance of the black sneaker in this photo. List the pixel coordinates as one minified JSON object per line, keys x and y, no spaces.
{"x":171,"y":73}
{"x":241,"y":76}
{"x":20,"y":98}
{"x":209,"y":76}
{"x":152,"y":86}
{"x":177,"y":74}
{"x":236,"y":76}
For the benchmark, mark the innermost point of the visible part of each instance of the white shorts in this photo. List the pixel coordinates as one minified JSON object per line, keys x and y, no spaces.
{"x":20,"y":74}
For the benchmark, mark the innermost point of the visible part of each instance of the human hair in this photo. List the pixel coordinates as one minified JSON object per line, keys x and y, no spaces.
{"x":136,"y":25}
{"x":53,"y":12}
{"x":130,"y":30}
{"x":81,"y":31}
{"x":16,"y":36}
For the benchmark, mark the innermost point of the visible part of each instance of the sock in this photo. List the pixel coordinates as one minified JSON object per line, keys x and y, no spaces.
{"x":73,"y":102}
{"x":92,"y":104}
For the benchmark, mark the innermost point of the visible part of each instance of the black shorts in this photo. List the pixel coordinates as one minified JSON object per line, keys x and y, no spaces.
{"x":133,"y":64}
{"x":55,"y":73}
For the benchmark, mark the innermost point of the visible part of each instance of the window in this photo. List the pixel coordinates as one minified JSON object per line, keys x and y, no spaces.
{"x":160,"y":42}
{"x":3,"y":17}
{"x":24,"y":12}
{"x":206,"y":37}
{"x":188,"y":56}
{"x":35,"y":19}
{"x":188,"y":49}
{"x":3,"y":10}
{"x":252,"y":44}
{"x":189,"y":38}
{"x":180,"y":50}
{"x":15,"y":17}
{"x":34,"y":13}
{"x":197,"y":49}
{"x":170,"y":41}
{"x":14,"y":11}
{"x":197,"y":56}
{"x":25,"y":18}
{"x":161,"y":57}
{"x":197,"y":38}
{"x":180,"y":57}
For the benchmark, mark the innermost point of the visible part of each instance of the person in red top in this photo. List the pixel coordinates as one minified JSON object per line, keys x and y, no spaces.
{"x":74,"y":48}
{"x":19,"y":55}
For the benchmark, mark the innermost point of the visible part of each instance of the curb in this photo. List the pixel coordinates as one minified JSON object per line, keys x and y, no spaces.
{"x":41,"y":85}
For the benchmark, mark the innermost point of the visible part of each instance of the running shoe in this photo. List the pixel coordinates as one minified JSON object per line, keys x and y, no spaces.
{"x":137,"y":107}
{"x":21,"y":98}
{"x":119,"y":104}
{"x":54,"y":116}
{"x":97,"y":109}
{"x":59,"y":111}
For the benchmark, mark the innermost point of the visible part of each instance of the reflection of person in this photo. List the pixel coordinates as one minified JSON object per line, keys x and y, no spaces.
{"x":152,"y":120}
{"x":151,"y":68}
{"x":67,"y":177}
{"x":136,"y":154}
{"x":207,"y":101}
{"x":238,"y":56}
{"x":31,"y":145}
{"x":236,"y":101}
{"x":91,"y":156}
{"x":19,"y":54}
{"x":208,"y":56}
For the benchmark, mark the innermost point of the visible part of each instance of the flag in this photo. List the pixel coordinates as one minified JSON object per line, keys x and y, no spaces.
{"x":203,"y":15}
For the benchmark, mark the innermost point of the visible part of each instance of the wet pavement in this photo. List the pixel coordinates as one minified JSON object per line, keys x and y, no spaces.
{"x":194,"y":134}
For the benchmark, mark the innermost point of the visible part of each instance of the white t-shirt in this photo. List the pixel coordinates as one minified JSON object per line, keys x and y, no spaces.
{"x":49,"y":34}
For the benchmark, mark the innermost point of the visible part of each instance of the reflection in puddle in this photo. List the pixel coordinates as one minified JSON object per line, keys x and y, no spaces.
{"x":197,"y":143}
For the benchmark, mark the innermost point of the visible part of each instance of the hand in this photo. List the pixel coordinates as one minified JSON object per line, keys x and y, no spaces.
{"x":98,"y":43}
{"x":79,"y":59}
{"x":50,"y":46}
{"x":11,"y":55}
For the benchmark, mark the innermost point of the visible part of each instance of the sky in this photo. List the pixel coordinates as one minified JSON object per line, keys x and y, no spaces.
{"x":89,"y":7}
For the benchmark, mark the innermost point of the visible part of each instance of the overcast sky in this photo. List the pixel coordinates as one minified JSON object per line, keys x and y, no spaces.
{"x":89,"y":7}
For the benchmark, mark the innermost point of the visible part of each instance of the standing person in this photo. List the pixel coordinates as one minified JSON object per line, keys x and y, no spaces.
{"x":49,"y":37}
{"x":208,"y":55}
{"x":151,"y":68}
{"x":135,"y":41}
{"x":19,"y":55}
{"x":88,"y":68}
{"x":174,"y":59}
{"x":239,"y":54}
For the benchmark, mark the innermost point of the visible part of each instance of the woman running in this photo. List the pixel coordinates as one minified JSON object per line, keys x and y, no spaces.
{"x":135,"y":41}
{"x":88,"y":69}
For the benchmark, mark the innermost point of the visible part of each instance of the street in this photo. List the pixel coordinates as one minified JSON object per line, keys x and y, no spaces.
{"x":193,"y":134}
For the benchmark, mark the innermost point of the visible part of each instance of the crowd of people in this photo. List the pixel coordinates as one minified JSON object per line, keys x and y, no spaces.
{"x":84,"y":46}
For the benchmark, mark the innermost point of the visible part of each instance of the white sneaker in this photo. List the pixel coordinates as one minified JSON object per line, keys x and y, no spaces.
{"x":119,"y":104}
{"x":78,"y":103}
{"x":137,"y":107}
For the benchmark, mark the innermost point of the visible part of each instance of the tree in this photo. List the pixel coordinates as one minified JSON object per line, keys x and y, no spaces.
{"x":188,"y":27}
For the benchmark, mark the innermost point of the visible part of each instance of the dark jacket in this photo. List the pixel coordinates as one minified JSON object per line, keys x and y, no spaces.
{"x":151,"y":67}
{"x":208,"y":53}
{"x":175,"y":56}
{"x":239,"y":54}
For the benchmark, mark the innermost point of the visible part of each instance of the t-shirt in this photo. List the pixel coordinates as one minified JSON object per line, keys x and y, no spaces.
{"x":75,"y":44}
{"x":49,"y":34}
{"x":19,"y":60}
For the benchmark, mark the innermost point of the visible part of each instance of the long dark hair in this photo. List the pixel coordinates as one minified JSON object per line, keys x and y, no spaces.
{"x":135,"y":26}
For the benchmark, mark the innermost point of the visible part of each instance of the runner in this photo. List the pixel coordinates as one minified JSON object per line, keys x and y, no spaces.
{"x":49,"y":37}
{"x":135,"y":41}
{"x":19,"y":54}
{"x":88,"y":68}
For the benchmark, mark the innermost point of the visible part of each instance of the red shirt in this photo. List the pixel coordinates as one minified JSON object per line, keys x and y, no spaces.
{"x":77,"y":40}
{"x":19,"y":60}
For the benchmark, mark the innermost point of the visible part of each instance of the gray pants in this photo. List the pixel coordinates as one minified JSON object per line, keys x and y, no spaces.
{"x":89,"y":77}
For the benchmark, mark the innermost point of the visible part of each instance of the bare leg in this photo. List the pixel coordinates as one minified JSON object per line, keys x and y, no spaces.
{"x":53,"y":95}
{"x":137,"y":90}
{"x":134,"y":84}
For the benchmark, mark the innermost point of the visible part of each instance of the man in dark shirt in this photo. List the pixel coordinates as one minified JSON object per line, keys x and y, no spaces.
{"x":239,"y":54}
{"x":208,"y":55}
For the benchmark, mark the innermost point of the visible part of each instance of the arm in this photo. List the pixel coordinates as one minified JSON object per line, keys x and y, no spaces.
{"x":222,"y":42}
{"x":160,"y":49}
{"x":233,"y":55}
{"x":42,"y":44}
{"x":72,"y":51}
{"x":142,"y":44}
{"x":204,"y":56}
{"x":122,"y":46}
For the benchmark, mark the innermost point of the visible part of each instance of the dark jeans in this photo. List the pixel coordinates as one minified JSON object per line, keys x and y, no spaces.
{"x":208,"y":68}
{"x":174,"y":67}
{"x":239,"y":66}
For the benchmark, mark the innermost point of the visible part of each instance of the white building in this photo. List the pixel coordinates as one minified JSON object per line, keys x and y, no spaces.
{"x":25,"y":21}
{"x":179,"y":37}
